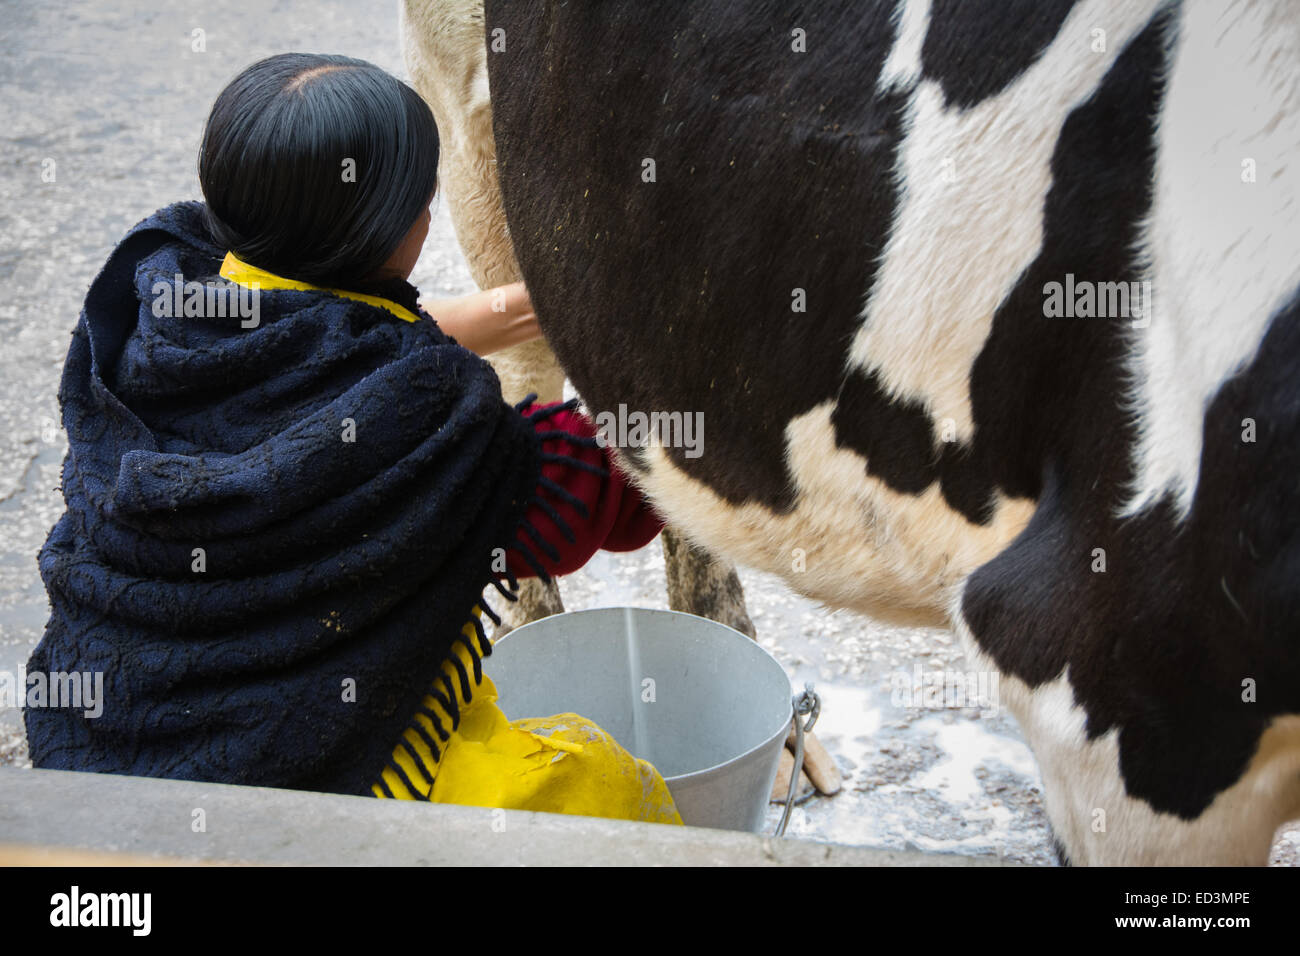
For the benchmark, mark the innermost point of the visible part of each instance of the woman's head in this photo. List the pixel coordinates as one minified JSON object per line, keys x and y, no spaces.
{"x":317,"y":167}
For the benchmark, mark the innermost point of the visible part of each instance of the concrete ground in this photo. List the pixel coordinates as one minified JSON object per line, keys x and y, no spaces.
{"x":54,"y":812}
{"x":111,"y":97}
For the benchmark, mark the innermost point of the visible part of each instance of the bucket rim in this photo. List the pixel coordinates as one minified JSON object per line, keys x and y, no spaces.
{"x":694,"y":774}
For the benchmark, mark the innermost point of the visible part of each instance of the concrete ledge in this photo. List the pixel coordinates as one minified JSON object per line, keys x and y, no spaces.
{"x":44,"y":813}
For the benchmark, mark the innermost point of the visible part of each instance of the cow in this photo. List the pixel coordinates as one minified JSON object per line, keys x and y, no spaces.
{"x":442,"y":48}
{"x":992,"y":308}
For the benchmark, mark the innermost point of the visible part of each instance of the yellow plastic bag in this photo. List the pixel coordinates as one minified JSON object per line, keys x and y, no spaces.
{"x":559,"y":764}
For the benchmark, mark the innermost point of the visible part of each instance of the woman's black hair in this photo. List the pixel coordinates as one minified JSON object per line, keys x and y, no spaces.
{"x":315,"y":167}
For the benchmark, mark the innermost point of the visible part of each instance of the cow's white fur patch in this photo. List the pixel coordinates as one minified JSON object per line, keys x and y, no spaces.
{"x":903,"y":67}
{"x":1222,"y":251}
{"x":972,"y":187}
{"x":896,"y":556}
{"x":1081,"y":777}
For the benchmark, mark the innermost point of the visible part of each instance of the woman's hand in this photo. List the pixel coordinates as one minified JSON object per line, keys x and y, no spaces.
{"x":488,"y":321}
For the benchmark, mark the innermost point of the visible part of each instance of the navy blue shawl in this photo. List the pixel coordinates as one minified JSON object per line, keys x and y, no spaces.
{"x":229,"y":560}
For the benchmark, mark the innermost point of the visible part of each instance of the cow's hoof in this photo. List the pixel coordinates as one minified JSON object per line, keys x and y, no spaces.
{"x":701,"y":585}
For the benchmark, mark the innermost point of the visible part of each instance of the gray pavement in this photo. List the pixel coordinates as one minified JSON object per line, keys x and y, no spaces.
{"x":184,"y":821}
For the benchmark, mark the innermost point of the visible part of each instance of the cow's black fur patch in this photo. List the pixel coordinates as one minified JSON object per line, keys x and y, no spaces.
{"x":774,"y":172}
{"x":976,"y":48}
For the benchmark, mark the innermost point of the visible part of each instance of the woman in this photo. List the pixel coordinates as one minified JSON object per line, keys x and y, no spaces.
{"x":287,"y":488}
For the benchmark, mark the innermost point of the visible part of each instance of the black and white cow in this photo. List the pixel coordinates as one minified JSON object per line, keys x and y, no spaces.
{"x":442,"y":44}
{"x":880,"y":246}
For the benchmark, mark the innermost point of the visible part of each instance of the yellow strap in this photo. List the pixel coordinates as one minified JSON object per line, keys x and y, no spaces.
{"x":240,"y":272}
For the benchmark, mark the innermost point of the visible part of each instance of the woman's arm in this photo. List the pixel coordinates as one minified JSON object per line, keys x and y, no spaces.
{"x":618,"y":517}
{"x":475,"y":324}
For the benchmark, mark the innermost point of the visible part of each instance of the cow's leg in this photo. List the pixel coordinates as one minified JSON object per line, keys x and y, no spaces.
{"x":698,"y":584}
{"x":1096,"y":821}
{"x":1151,"y":751}
{"x":445,"y":49}
{"x":443,"y":45}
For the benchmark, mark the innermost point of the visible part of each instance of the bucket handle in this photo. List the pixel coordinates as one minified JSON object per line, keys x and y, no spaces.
{"x":806,"y":703}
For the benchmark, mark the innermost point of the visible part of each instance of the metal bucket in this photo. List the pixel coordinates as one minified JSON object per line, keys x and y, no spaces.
{"x":702,"y":702}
